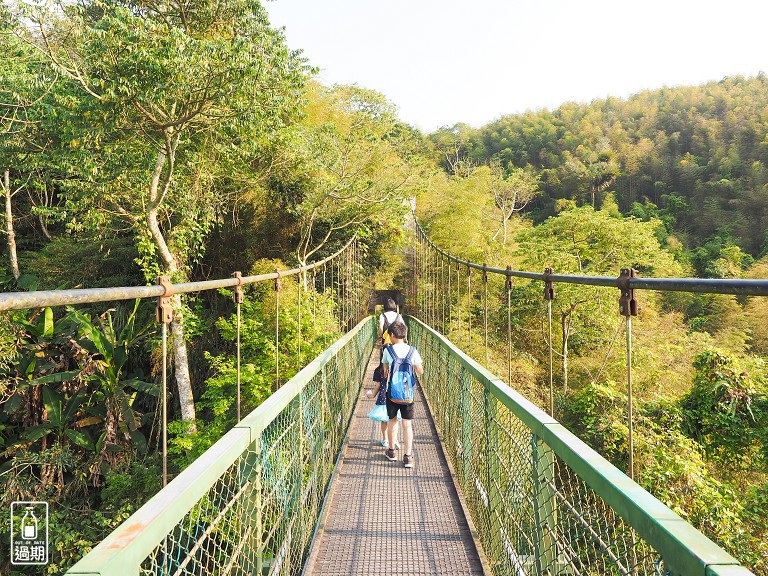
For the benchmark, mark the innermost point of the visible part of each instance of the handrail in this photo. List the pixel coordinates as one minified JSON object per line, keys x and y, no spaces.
{"x":43,"y":298}
{"x":122,"y":551}
{"x":685,"y":550}
{"x":708,"y":285}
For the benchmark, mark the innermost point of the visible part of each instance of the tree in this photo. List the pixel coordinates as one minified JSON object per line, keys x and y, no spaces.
{"x":358,"y":164}
{"x":26,"y":82}
{"x":601,"y":169}
{"x":511,"y":193}
{"x":455,"y":146}
{"x":452,"y":208}
{"x":591,"y":242}
{"x":726,"y":410}
{"x":173,"y":103}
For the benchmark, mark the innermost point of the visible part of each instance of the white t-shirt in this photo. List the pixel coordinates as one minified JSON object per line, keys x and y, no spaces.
{"x":401,"y":349}
{"x":391,"y":317}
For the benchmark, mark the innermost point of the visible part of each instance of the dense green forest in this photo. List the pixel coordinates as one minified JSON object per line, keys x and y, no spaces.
{"x":671,"y":182}
{"x":146,"y":138}
{"x":692,"y":157}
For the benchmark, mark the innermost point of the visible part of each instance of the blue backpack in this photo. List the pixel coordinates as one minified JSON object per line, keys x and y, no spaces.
{"x":401,"y":377}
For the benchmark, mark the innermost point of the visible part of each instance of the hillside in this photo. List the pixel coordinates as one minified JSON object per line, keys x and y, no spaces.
{"x":695,"y":157}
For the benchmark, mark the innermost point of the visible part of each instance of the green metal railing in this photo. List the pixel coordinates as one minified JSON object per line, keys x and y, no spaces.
{"x":543,"y":502}
{"x":250,"y":503}
{"x":444,"y":295}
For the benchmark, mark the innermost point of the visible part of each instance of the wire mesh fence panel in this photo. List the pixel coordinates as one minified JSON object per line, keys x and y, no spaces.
{"x":258,"y":514}
{"x":541,"y":500}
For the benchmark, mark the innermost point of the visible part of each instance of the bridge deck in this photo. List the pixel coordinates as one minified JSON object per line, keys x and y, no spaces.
{"x":385,"y":519}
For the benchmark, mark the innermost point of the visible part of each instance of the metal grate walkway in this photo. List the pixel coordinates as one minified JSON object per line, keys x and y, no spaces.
{"x":382,"y":518}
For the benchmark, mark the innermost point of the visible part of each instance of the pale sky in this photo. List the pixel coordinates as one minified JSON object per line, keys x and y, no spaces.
{"x":448,"y":61}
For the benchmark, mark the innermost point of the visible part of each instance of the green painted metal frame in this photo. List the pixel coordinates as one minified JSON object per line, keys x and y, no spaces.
{"x":685,"y":550}
{"x":124,"y":550}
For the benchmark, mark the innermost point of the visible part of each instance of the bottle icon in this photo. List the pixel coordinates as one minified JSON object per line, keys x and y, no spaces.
{"x":29,"y":524}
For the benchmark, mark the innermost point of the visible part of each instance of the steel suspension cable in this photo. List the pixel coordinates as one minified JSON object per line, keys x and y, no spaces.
{"x":421,"y":282}
{"x":165,"y":402}
{"x":485,"y":311}
{"x":549,"y":296}
{"x":325,"y":311}
{"x":314,"y":305}
{"x":508,"y":286}
{"x":277,"y":330}
{"x":458,"y":300}
{"x":238,"y":297}
{"x":442,"y":295}
{"x":299,"y":282}
{"x":630,"y":418}
{"x":449,"y":296}
{"x":469,"y":308}
{"x":428,"y":291}
{"x":333,"y":310}
{"x":432,"y":284}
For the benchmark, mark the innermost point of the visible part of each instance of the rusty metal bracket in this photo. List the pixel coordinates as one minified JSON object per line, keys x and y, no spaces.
{"x":238,"y":297}
{"x":549,"y":288}
{"x":485,"y":273}
{"x":627,"y":302}
{"x":164,"y":309}
{"x":508,"y":283}
{"x":277,"y":280}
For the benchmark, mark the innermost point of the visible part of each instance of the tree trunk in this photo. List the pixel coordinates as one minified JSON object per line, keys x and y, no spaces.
{"x":504,"y":216}
{"x":9,"y":225}
{"x":181,"y":366}
{"x":44,"y":227}
{"x":180,"y":356}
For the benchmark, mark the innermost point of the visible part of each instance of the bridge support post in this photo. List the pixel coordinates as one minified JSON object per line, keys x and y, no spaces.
{"x":442,"y":391}
{"x":465,"y":409}
{"x":493,"y":477}
{"x":253,"y":514}
{"x":300,"y":525}
{"x":544,"y":511}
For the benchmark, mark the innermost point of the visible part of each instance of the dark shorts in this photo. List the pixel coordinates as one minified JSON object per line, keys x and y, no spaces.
{"x":406,"y":410}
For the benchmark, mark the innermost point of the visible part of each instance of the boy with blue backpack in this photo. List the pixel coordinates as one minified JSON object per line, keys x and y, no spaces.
{"x":401,"y":364}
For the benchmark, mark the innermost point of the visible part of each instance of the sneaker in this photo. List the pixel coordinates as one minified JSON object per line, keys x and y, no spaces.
{"x":407,"y":461}
{"x":390,"y":454}
{"x":385,"y":444}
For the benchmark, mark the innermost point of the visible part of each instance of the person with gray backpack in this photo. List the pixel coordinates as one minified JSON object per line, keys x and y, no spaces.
{"x":401,"y":364}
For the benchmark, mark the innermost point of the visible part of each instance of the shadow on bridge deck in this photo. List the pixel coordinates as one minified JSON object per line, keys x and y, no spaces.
{"x":382,"y":518}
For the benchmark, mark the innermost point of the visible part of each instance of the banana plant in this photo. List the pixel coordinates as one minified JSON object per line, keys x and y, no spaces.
{"x":35,"y":358}
{"x":41,"y":360}
{"x":117,"y":390}
{"x":44,"y":325}
{"x":61,"y":420}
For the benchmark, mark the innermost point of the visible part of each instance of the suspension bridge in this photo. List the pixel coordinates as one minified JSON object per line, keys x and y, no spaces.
{"x":301,"y":486}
